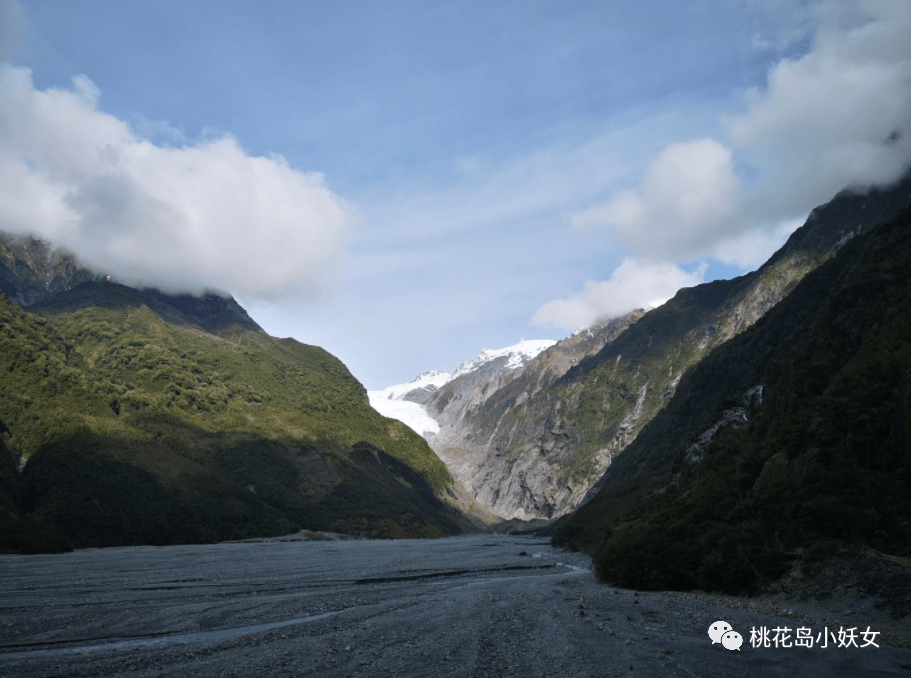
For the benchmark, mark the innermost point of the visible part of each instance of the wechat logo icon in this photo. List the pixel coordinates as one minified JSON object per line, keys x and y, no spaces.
{"x":722,"y":632}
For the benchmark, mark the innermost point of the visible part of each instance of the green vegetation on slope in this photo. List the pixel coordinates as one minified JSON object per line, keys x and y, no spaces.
{"x":570,"y":431}
{"x":139,"y":426}
{"x":824,"y":463}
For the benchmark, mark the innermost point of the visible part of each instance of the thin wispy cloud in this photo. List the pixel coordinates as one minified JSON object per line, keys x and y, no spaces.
{"x":13,"y":28}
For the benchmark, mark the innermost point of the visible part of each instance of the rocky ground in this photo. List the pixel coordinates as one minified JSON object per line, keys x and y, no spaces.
{"x":482,"y":605}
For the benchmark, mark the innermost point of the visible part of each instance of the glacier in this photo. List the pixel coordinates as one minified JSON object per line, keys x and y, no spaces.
{"x":391,"y":402}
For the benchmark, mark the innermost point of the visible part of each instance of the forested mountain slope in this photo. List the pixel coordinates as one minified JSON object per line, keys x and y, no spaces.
{"x":543,"y":450}
{"x":141,"y":418}
{"x":790,"y":441}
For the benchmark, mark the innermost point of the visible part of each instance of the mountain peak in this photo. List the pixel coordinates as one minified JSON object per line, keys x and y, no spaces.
{"x":517,"y":355}
{"x":405,"y":402}
{"x":35,"y":272}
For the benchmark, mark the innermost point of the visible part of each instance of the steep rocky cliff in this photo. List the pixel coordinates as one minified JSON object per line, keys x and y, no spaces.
{"x":33,"y":270}
{"x":434,"y":403}
{"x":536,"y":451}
{"x":470,"y":411}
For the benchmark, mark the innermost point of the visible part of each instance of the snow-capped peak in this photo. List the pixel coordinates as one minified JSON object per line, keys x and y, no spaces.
{"x":427,"y":380}
{"x":390,"y":401}
{"x":518,"y":355}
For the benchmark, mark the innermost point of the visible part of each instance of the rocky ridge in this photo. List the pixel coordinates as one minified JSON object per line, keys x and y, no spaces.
{"x":33,"y":270}
{"x":532,"y":442}
{"x":544,"y":453}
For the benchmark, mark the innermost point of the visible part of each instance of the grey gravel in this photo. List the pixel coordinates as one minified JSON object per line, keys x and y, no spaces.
{"x":483,"y":605}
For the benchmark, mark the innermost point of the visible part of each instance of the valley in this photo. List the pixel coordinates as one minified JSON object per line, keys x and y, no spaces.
{"x":744,"y":435}
{"x":459,"y":339}
{"x":530,"y":434}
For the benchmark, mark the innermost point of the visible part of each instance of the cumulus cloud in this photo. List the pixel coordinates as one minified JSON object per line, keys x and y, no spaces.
{"x":686,"y":200}
{"x":836,"y":115}
{"x":198,"y":217}
{"x":824,"y":120}
{"x":636,"y":283}
{"x":751,"y":249}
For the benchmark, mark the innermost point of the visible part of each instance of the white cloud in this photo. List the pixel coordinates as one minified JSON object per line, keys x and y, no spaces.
{"x":688,"y":197}
{"x":820,"y":125}
{"x":822,"y":122}
{"x":184,"y":219}
{"x":749,"y":250}
{"x":635,"y":283}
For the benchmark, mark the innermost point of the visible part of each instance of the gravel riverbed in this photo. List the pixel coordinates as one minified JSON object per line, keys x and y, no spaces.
{"x":472,"y":606}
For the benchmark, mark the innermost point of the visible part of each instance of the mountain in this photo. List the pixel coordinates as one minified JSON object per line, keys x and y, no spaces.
{"x":33,"y":270}
{"x":450,"y":394}
{"x":506,"y":489}
{"x":134,"y":417}
{"x":789,"y":442}
{"x":439,"y":404}
{"x":537,"y":446}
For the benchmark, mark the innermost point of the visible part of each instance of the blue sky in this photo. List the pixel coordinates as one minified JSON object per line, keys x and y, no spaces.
{"x":407,"y":183}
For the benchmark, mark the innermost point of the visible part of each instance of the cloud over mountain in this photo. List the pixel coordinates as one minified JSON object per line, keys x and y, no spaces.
{"x":635,"y":283}
{"x":837,"y":116}
{"x":836,"y":113}
{"x":202,"y":216}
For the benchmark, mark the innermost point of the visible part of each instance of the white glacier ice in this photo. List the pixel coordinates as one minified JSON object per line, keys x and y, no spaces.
{"x":413,"y":415}
{"x":390,"y":401}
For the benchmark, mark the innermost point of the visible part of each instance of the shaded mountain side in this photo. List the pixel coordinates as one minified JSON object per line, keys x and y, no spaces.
{"x":22,"y":533}
{"x":790,"y":441}
{"x":212,"y":314}
{"x":546,"y":452}
{"x":199,"y":487}
{"x":109,"y":387}
{"x":217,"y":314}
